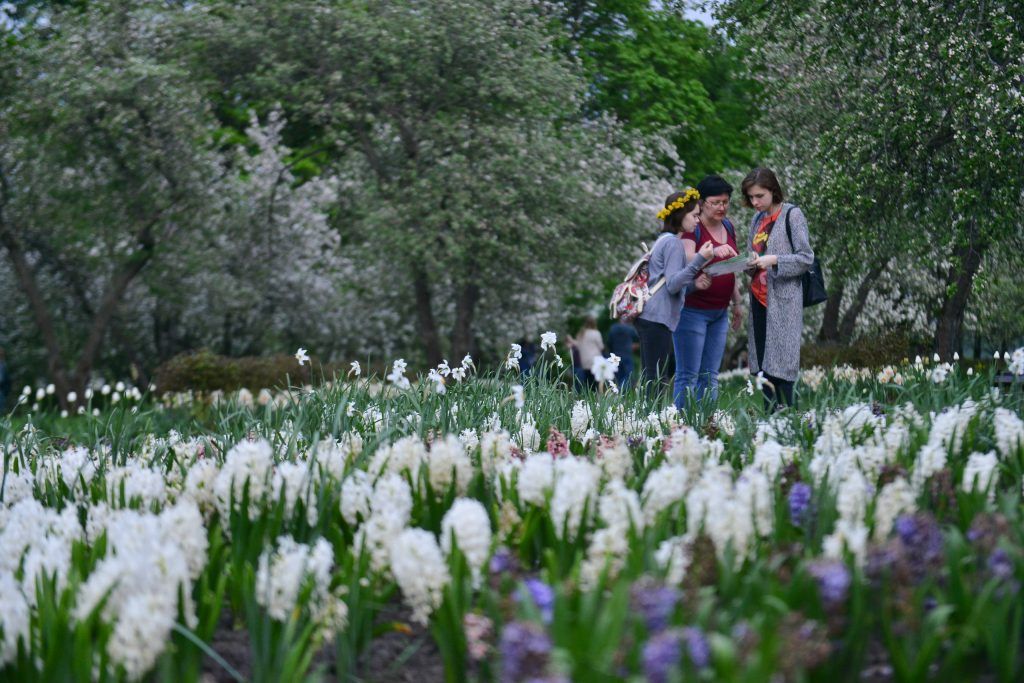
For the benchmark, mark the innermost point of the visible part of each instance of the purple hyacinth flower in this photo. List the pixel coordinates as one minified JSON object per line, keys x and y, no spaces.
{"x":503,"y":561}
{"x":542,"y":595}
{"x":1000,"y":565}
{"x":799,"y":502}
{"x":525,"y":649}
{"x":697,"y":647}
{"x":922,"y":541}
{"x":833,"y":580}
{"x":656,"y":602}
{"x":661,"y":653}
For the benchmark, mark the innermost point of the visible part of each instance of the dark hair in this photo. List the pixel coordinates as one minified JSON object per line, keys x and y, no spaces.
{"x":674,"y":221}
{"x":764,"y":177}
{"x":713,"y":185}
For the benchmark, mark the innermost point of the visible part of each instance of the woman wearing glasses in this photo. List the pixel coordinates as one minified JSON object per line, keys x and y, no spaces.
{"x":776,"y":319}
{"x":699,"y":339}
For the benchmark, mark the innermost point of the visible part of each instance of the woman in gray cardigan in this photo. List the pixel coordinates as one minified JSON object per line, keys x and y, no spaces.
{"x":668,"y":262}
{"x":776,"y":320}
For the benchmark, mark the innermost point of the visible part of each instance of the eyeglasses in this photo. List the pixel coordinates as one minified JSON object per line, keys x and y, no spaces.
{"x":718,"y":205}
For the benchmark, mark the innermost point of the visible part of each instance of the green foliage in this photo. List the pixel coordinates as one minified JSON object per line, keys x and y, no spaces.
{"x":657,"y":71}
{"x":899,"y":132}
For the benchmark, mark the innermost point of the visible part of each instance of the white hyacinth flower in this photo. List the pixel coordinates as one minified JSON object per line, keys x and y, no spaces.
{"x":467,"y":523}
{"x":420,"y":571}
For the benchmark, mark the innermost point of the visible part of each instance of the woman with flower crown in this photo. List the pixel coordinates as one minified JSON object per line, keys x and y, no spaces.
{"x":668,"y":262}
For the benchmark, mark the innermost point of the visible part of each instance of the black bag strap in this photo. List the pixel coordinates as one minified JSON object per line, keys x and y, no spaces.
{"x":789,"y":232}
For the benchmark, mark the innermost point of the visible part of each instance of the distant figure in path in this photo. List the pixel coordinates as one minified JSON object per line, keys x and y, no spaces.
{"x":529,"y":359}
{"x":623,"y":340}
{"x":589,"y":344}
{"x":5,"y":379}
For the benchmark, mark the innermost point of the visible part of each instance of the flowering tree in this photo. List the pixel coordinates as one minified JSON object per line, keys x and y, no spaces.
{"x":901,"y":129}
{"x":102,"y":168}
{"x":466,"y":175}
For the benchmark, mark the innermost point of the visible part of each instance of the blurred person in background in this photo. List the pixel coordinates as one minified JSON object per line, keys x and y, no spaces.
{"x":5,"y":379}
{"x":623,"y":341}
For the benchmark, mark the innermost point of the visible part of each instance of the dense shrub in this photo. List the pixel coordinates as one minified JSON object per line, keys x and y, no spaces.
{"x":206,"y":371}
{"x":874,"y":351}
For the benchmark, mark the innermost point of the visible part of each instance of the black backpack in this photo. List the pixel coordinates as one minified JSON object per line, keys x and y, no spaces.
{"x":813,"y":280}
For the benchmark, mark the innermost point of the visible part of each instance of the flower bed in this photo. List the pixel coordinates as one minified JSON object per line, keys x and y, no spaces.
{"x":537,"y":535}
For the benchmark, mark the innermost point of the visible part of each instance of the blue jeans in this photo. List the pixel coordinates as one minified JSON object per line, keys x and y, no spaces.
{"x":699,"y":342}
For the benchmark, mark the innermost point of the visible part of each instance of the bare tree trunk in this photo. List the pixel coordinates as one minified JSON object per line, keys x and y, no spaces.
{"x":829,"y":331}
{"x":425,"y":317}
{"x":860,"y":298}
{"x":958,"y":289}
{"x":40,"y":312}
{"x":465,"y":311}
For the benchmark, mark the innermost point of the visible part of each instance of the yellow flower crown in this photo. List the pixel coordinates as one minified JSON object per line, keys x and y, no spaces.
{"x":690,"y":193}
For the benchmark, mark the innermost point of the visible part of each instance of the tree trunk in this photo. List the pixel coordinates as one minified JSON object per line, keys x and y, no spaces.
{"x":829,"y":331}
{"x":959,"y":279}
{"x":860,"y":298}
{"x":65,"y":381}
{"x":112,"y":297}
{"x":465,"y":311}
{"x":44,"y":321}
{"x":425,"y":317}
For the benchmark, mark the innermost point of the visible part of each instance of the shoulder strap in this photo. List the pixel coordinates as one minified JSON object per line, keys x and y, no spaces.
{"x":789,"y":232}
{"x":729,"y":226}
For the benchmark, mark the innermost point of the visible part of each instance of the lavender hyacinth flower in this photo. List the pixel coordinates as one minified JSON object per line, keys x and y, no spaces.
{"x":502,"y":561}
{"x":525,"y":649}
{"x":655,"y":601}
{"x":1000,"y":565}
{"x":799,"y":502}
{"x":661,"y":653}
{"x":542,"y":595}
{"x":697,"y":647}
{"x":922,"y":541}
{"x":833,"y":580}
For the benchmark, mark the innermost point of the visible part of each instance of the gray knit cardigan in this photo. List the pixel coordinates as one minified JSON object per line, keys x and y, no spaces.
{"x":784,"y":324}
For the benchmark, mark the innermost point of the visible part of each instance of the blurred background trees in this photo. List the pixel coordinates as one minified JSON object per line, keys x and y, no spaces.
{"x":429,"y":179}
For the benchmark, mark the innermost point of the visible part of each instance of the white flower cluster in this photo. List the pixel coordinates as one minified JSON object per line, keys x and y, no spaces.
{"x":293,"y":571}
{"x":619,"y":509}
{"x":151,"y":560}
{"x":732,"y":514}
{"x":576,"y":482}
{"x":420,"y":570}
{"x":467,"y":525}
{"x":390,"y":507}
{"x":1009,"y":432}
{"x":947,"y":434}
{"x":536,"y":478}
{"x":247,"y":470}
